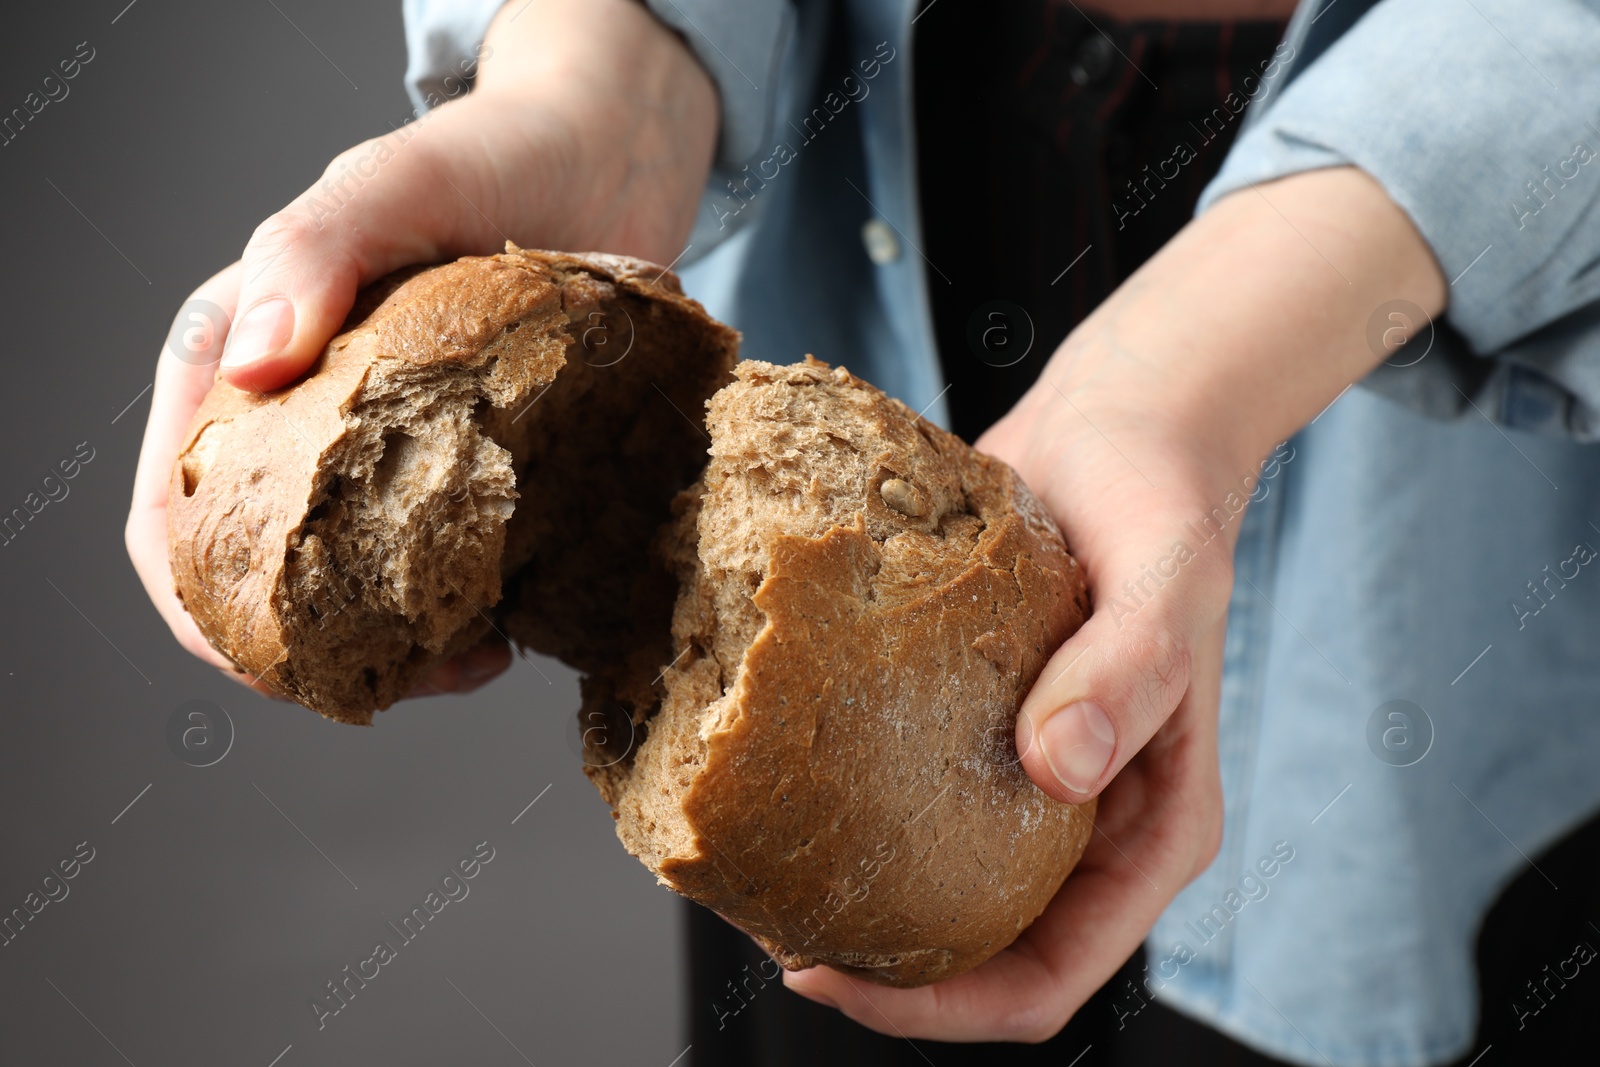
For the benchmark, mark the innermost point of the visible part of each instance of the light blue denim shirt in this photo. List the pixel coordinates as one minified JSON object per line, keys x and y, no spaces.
{"x":1411,"y":681}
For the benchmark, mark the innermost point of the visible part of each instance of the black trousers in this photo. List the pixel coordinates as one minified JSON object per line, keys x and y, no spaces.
{"x":1057,"y":151}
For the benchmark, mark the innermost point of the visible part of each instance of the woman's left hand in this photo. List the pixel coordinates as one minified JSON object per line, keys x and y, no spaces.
{"x":1128,"y":705}
{"x":1151,"y":419}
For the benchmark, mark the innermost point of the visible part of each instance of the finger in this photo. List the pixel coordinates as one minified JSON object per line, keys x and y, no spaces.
{"x":1110,"y":687}
{"x":184,"y":374}
{"x":393,"y":201}
{"x":1158,"y":827}
{"x":1032,"y":989}
{"x":470,"y":670}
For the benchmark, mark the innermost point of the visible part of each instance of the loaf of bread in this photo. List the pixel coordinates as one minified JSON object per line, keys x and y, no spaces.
{"x":803,"y":661}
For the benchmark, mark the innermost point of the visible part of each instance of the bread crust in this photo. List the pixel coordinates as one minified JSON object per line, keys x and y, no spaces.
{"x":853,"y":794}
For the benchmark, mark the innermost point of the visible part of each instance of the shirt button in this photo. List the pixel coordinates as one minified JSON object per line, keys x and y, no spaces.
{"x":1093,"y":61}
{"x":881,"y":244}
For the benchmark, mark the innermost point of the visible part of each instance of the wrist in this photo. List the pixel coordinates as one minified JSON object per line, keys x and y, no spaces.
{"x":1188,"y":440}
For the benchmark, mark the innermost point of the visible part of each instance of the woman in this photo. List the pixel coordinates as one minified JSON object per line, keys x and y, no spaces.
{"x":1383,"y":551}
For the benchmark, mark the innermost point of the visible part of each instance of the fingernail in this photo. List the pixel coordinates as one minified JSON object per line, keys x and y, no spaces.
{"x":1024,"y":737}
{"x":1078,"y":742}
{"x":264,"y":330}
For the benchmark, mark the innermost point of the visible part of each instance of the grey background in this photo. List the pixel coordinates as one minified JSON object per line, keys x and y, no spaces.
{"x":206,"y":921}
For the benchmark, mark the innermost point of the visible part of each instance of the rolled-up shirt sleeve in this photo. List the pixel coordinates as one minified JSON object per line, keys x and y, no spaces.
{"x":741,"y":45}
{"x":444,"y":40}
{"x":1482,"y":121}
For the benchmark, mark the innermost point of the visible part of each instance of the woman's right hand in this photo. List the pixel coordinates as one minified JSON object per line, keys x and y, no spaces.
{"x":591,"y":127}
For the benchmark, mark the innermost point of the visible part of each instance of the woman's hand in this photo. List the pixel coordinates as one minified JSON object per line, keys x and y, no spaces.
{"x":1145,"y":437}
{"x":1132,"y":695}
{"x":591,"y":128}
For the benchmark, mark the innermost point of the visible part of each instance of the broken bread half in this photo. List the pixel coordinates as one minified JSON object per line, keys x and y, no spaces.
{"x":489,"y":444}
{"x":825,"y":753}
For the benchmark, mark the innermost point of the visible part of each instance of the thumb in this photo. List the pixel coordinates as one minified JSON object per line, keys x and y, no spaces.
{"x":297,"y":285}
{"x":1113,"y":684}
{"x":300,"y":272}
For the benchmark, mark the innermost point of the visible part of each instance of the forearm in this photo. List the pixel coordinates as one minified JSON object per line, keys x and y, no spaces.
{"x":1251,"y":321}
{"x":1145,"y":434}
{"x":590,"y":126}
{"x":637,"y":113}
{"x":602,"y":42}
